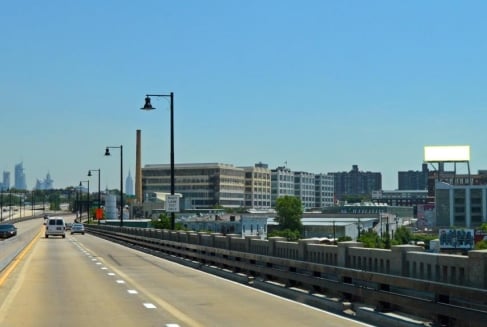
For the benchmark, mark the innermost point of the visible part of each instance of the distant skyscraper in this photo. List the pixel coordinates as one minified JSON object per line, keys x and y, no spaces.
{"x":46,"y":184}
{"x":6,"y":181}
{"x":129,"y":185}
{"x":20,"y":183}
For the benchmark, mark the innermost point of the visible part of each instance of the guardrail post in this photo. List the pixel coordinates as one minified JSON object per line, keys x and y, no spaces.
{"x":272,"y":244}
{"x":248,"y":243}
{"x":213,"y":236}
{"x":398,"y":259}
{"x":229,"y":240}
{"x":343,"y":252}
{"x":477,"y":268}
{"x":303,"y":248}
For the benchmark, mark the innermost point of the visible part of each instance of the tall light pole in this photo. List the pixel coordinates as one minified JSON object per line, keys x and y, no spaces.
{"x":10,"y":204}
{"x":148,"y":106}
{"x":88,"y":205}
{"x":20,"y":205}
{"x":107,"y":153}
{"x":99,"y":193}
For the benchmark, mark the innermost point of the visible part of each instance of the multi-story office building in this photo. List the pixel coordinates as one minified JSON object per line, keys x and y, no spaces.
{"x":324,"y":190}
{"x":413,"y":180}
{"x":257,"y":186}
{"x":460,"y":205}
{"x":282,"y":183}
{"x":453,"y":178}
{"x":203,"y":186}
{"x":356,"y":182}
{"x":304,"y":189}
{"x":20,"y":183}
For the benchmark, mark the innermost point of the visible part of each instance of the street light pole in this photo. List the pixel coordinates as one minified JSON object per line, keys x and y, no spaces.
{"x":88,"y":205}
{"x":10,"y":204}
{"x":107,"y":153}
{"x":99,"y":193}
{"x":148,"y":106}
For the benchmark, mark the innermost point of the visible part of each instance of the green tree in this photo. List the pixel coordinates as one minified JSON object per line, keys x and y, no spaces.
{"x":54,"y":201}
{"x":356,"y":198}
{"x":290,"y":235}
{"x":289,"y":212}
{"x":482,"y":245}
{"x":371,"y":239}
{"x":164,"y":222}
{"x":483,"y":227}
{"x":403,"y":235}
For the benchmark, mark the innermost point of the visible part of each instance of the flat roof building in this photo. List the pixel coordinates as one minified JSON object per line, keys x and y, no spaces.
{"x":462,"y":206}
{"x":202,"y":185}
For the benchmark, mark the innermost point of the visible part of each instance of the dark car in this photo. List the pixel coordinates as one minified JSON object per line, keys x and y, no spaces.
{"x":7,"y":230}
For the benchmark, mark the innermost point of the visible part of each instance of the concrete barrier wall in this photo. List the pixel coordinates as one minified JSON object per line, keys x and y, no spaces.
{"x":258,"y":246}
{"x":438,"y":267}
{"x":287,"y":250}
{"x":402,"y":260}
{"x":323,"y":254}
{"x":376,"y":260}
{"x":358,"y":275}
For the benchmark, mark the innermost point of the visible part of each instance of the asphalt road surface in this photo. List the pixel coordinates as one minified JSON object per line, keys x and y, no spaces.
{"x":86,"y":281}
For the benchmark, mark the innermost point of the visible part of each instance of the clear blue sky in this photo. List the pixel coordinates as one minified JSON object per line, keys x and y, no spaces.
{"x":321,"y":85}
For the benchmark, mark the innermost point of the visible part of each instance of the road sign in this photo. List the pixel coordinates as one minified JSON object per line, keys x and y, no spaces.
{"x":172,"y":203}
{"x":99,"y":213}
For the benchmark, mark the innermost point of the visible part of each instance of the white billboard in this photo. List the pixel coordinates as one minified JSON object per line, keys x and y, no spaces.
{"x":447,"y":153}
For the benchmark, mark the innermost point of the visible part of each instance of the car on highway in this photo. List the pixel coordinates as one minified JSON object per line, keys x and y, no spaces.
{"x":68,"y":226}
{"x":55,"y":226}
{"x":78,"y":228}
{"x":7,"y":230}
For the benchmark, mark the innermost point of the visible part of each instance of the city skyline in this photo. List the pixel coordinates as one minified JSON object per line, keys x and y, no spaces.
{"x":318,"y":85}
{"x":48,"y":182}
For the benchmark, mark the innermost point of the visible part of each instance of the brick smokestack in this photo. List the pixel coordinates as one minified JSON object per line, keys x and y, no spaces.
{"x":138,"y":169}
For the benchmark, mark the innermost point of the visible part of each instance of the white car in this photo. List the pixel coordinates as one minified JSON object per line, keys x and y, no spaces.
{"x":78,"y":228}
{"x":55,"y":226}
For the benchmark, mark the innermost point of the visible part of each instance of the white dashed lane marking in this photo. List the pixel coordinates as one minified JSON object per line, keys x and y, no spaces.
{"x":119,"y":281}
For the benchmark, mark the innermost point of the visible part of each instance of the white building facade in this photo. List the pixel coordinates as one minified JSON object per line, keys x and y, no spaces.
{"x":282,"y":183}
{"x":304,"y":189}
{"x":257,"y":187}
{"x":324,"y":190}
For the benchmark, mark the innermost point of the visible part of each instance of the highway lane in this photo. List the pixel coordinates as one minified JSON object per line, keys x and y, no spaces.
{"x":26,"y":231}
{"x":83,"y":280}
